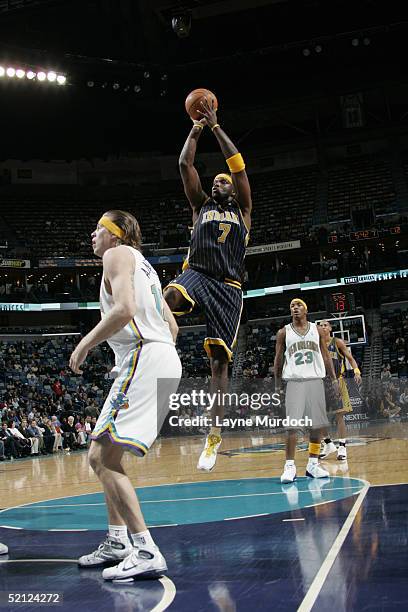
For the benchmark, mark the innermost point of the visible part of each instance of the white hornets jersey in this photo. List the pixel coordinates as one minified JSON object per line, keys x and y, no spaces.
{"x":148,"y":324}
{"x":303,"y":358}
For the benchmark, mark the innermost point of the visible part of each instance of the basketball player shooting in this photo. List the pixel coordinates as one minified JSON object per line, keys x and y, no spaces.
{"x":212,"y":274}
{"x":141,"y":331}
{"x":306,"y":361}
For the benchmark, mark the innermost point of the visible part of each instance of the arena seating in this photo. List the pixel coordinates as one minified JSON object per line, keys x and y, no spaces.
{"x":358,"y":184}
{"x":394,"y":325}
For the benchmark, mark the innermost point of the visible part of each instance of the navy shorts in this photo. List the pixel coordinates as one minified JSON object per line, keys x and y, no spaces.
{"x":221,"y":303}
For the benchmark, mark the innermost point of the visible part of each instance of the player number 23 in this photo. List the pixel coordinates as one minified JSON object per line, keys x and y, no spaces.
{"x":225,"y":229}
{"x":301,"y":358}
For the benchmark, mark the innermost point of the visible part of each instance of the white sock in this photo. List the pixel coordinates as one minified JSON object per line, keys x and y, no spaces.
{"x":313,"y":461}
{"x":119,"y":532}
{"x":289,"y":462}
{"x":342,"y":441}
{"x":143,"y":539}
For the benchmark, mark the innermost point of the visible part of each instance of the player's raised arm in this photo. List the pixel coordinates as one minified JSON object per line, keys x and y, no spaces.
{"x":191,"y":180}
{"x":278,"y":363}
{"x":234,"y":160}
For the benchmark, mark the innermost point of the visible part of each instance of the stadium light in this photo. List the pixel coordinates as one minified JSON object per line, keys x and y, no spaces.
{"x":11,"y":72}
{"x":306,"y":52}
{"x":318,"y":48}
{"x":30,"y":75}
{"x":116,"y":86}
{"x":137,"y":89}
{"x":2,"y":71}
{"x":61,"y":79}
{"x":355,"y":42}
{"x":51,"y":76}
{"x":41,"y":76}
{"x":20,"y":74}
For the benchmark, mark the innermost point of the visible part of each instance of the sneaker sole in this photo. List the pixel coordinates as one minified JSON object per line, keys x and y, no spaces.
{"x":151,"y":575}
{"x":288,"y":481}
{"x":109,"y":563}
{"x":309,"y":475}
{"x":203,"y":469}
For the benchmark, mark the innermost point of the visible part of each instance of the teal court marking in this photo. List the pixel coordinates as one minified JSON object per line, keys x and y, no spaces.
{"x":185,"y":503}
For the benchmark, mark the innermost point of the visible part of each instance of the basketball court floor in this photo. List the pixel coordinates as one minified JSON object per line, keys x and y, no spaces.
{"x":233,"y":539}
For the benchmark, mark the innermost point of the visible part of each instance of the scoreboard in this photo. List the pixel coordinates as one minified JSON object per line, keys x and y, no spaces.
{"x":340,"y":302}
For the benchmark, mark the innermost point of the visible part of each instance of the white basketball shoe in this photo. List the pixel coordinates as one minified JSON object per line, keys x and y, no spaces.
{"x":141,"y":563}
{"x":110,"y":551}
{"x":209,"y":455}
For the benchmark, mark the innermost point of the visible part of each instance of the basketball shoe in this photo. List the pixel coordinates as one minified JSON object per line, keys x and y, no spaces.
{"x":110,"y":552}
{"x":326,"y":449}
{"x":314,"y":470}
{"x":209,"y":455}
{"x":289,"y":473}
{"x":3,"y":549}
{"x":342,"y":453}
{"x":140,"y":563}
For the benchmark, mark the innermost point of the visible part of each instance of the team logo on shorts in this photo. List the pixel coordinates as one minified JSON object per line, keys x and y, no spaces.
{"x":119,"y":401}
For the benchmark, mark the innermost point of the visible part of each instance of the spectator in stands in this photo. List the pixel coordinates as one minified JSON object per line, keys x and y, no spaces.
{"x":70,"y":434}
{"x":81,"y":435}
{"x":57,"y":433}
{"x":403,"y":399}
{"x":35,"y":432}
{"x":386,"y":372}
{"x":48,"y":435}
{"x":22,"y":444}
{"x":388,"y":407}
{"x":10,"y":447}
{"x":34,"y":442}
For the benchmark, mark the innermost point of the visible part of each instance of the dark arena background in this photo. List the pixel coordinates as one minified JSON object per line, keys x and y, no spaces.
{"x":315,"y":96}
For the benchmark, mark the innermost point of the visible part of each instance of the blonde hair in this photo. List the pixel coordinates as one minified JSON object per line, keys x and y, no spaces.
{"x":129,"y":225}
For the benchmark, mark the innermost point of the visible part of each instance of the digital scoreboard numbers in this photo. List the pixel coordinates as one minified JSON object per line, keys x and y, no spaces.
{"x":340,"y":302}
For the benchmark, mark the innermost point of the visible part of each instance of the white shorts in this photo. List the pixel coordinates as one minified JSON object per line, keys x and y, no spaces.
{"x":306,"y":398}
{"x":135,"y":409}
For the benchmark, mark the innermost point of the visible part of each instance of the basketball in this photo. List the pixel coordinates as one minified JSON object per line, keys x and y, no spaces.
{"x":194,"y":99}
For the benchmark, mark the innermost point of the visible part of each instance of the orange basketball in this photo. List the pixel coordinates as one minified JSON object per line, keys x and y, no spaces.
{"x":193,"y":101}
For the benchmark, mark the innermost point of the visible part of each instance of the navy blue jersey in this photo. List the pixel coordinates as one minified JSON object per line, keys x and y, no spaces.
{"x":218,"y":242}
{"x":337,"y":357}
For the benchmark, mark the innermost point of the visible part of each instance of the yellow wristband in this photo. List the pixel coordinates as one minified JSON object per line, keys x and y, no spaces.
{"x":236,"y":163}
{"x":314,"y":448}
{"x":214,"y":126}
{"x":199,"y":125}
{"x":357,"y":371}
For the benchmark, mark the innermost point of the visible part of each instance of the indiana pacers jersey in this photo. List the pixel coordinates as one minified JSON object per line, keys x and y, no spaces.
{"x":336,"y":357}
{"x":148,"y":324}
{"x":303,"y":358}
{"x":218,"y":242}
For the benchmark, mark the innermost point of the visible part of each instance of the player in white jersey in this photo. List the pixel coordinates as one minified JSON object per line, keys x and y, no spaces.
{"x":139,"y":327}
{"x":306,"y":360}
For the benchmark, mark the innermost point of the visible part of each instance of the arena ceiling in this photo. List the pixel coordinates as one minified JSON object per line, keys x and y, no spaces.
{"x":251,"y":52}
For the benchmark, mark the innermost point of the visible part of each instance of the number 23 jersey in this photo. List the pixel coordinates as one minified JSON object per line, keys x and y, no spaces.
{"x":303,"y":358}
